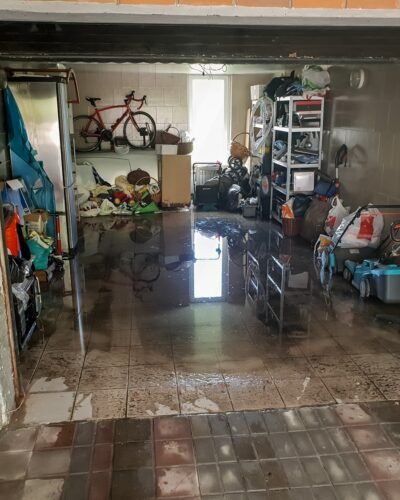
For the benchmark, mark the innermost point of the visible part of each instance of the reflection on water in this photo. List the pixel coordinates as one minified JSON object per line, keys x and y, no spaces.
{"x":207,"y":268}
{"x":179,"y":260}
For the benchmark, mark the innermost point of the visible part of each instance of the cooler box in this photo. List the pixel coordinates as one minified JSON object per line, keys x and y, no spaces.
{"x":387,"y":283}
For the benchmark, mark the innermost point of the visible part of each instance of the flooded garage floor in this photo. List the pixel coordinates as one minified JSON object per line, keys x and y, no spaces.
{"x":342,"y":452}
{"x":164,"y":320}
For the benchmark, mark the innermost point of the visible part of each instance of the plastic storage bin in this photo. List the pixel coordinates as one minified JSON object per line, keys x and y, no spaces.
{"x":249,"y":210}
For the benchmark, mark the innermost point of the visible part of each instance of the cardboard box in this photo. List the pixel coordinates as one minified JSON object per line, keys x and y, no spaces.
{"x":166,"y":149}
{"x":37,"y":220}
{"x":174,"y":172}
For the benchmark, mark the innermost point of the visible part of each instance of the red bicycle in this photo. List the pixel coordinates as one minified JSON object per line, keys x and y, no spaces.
{"x":139,"y":128}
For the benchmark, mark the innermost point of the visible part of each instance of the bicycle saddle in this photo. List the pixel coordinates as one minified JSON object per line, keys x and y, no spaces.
{"x":93,"y":100}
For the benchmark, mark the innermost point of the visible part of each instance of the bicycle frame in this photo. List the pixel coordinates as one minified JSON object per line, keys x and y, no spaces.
{"x":97,"y":115}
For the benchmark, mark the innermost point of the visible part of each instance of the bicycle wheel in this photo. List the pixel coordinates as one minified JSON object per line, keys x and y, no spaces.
{"x":87,"y":133}
{"x":140,"y":130}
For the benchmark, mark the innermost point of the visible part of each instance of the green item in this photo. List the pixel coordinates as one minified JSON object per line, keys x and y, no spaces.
{"x":147,"y":209}
{"x":40,"y":254}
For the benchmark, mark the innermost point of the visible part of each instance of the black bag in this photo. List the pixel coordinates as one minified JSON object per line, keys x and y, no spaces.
{"x":276,"y":83}
{"x":232,"y":199}
{"x":301,"y":203}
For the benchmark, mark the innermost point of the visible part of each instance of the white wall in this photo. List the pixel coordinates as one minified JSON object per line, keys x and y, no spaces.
{"x":367,"y":121}
{"x":166,"y":92}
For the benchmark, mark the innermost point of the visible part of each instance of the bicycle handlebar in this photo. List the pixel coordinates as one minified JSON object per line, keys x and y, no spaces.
{"x":131,"y":97}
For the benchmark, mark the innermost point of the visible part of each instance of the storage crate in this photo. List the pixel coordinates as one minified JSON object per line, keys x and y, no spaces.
{"x":249,"y":210}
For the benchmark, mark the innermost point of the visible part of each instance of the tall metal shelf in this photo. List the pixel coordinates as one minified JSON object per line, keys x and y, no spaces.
{"x":285,"y":192}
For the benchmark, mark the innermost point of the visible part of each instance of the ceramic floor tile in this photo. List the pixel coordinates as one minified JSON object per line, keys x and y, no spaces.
{"x":100,"y":378}
{"x":375,"y":364}
{"x":321,"y":346}
{"x":130,"y":429}
{"x":55,"y":436}
{"x":55,"y":379}
{"x":361,"y":344}
{"x":109,"y":403}
{"x":391,"y":489}
{"x":334,"y":366}
{"x":18,"y":440}
{"x":114,"y":356}
{"x":388,"y":384}
{"x":172,"y":428}
{"x":195,"y":353}
{"x":45,"y":407}
{"x":60,"y":358}
{"x":12,"y":490}
{"x":137,"y":483}
{"x":159,"y":336}
{"x":383,"y":464}
{"x":239,"y":351}
{"x":191,"y":377}
{"x":287,"y":368}
{"x":304,"y":391}
{"x":354,"y":414}
{"x":49,"y":463}
{"x":192,"y":373}
{"x":133,"y":455}
{"x":152,"y":401}
{"x":151,"y":355}
{"x":278,"y":348}
{"x":173,"y":482}
{"x":203,"y":398}
{"x":352,"y":389}
{"x":69,"y":341}
{"x":246,"y":368}
{"x":45,"y":489}
{"x":248,"y":394}
{"x":110,"y":338}
{"x":113,"y":321}
{"x":174,"y":452}
{"x":142,"y":376}
{"x":369,"y":437}
{"x":13,"y":465}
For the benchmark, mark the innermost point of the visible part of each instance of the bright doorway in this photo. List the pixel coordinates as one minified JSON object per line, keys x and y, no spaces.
{"x":210,"y":117}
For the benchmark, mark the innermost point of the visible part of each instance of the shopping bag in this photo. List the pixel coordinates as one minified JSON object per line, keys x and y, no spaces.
{"x":357,"y":233}
{"x":335,"y":216}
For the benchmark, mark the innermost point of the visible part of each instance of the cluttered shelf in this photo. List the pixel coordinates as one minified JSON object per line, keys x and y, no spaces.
{"x":297,"y":129}
{"x":284,"y":191}
{"x":296,"y":165}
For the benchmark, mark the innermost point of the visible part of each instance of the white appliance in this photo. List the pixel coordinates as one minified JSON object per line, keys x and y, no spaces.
{"x":43,"y":104}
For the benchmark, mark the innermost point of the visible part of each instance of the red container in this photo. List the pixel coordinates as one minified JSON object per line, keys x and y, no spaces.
{"x":291,"y":227}
{"x":11,"y":234}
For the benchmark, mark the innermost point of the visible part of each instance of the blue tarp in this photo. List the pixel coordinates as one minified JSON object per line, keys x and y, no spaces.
{"x":24,"y":162}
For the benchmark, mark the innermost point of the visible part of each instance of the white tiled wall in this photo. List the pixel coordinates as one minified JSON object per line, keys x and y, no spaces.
{"x":166,"y":93}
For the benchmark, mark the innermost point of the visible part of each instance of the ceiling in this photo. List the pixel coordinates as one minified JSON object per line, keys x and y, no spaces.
{"x":72,"y":42}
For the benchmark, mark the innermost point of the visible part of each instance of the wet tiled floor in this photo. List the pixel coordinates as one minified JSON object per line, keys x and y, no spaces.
{"x":342,"y":452}
{"x":149,"y":340}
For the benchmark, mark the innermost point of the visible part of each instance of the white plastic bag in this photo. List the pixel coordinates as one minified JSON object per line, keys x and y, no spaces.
{"x":355,"y":235}
{"x":106,"y":207}
{"x":335,"y":216}
{"x":314,"y":77}
{"x":89,"y":209}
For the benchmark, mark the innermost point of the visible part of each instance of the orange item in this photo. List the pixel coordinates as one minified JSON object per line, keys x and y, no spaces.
{"x":12,"y":240}
{"x":58,"y":236}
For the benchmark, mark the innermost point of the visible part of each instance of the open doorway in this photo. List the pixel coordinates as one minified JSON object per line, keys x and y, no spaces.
{"x":210,"y":117}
